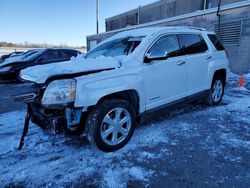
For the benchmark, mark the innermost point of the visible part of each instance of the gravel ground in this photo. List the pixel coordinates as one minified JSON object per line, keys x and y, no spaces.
{"x":193,"y":146}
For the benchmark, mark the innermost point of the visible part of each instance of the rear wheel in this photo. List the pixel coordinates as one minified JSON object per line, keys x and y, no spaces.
{"x":111,"y":124}
{"x":216,"y":92}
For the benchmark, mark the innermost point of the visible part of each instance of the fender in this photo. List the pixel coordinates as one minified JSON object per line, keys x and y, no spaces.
{"x":90,"y":93}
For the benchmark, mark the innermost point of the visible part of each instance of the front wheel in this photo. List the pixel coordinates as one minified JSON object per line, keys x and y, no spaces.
{"x":216,"y":92}
{"x":111,"y":124}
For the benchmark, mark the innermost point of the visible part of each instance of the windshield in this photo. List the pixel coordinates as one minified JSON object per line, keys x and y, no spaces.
{"x":32,"y":55}
{"x":29,"y":53}
{"x":14,"y":54}
{"x":117,"y":47}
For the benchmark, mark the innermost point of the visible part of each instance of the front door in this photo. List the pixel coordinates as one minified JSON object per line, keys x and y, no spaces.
{"x":165,"y":79}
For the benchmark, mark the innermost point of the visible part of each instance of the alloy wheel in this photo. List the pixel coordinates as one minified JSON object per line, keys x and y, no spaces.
{"x":217,"y":91}
{"x":116,"y":126}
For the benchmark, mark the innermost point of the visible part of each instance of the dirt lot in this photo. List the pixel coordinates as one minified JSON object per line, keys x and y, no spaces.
{"x":193,"y":146}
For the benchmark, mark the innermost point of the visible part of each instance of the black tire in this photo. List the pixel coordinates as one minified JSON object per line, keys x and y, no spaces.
{"x":210,"y":100}
{"x":95,"y":123}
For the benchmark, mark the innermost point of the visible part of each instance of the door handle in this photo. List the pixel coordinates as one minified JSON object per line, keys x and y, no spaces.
{"x":209,"y":57}
{"x":181,"y":62}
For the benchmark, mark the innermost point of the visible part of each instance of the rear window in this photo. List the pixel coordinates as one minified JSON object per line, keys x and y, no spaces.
{"x":216,"y":42}
{"x":193,"y":44}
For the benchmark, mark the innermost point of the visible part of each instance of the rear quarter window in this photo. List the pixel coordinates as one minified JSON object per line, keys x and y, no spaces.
{"x":217,"y":44}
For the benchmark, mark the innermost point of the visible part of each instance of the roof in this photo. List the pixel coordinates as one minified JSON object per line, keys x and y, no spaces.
{"x":59,"y":49}
{"x":150,"y":31}
{"x":154,"y":30}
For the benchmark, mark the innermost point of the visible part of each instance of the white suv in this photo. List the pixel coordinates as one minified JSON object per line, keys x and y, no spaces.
{"x":124,"y":79}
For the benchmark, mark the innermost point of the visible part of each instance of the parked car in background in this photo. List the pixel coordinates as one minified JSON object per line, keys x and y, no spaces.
{"x":13,"y":54}
{"x":124,"y":80}
{"x":11,"y":67}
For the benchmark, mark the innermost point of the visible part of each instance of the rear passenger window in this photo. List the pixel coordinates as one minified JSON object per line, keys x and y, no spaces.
{"x":193,"y":44}
{"x":216,"y":42}
{"x":68,"y":54}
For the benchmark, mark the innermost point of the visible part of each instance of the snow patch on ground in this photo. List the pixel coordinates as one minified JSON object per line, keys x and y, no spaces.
{"x":233,"y":140}
{"x":221,"y":133}
{"x":140,"y":174}
{"x":66,"y":158}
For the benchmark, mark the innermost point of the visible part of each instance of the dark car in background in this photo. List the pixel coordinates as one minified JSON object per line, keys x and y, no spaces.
{"x":11,"y":67}
{"x":13,"y":54}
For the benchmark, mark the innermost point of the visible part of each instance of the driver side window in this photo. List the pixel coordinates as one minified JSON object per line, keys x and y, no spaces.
{"x":167,"y":44}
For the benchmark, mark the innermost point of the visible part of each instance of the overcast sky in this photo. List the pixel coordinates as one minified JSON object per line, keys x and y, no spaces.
{"x":57,"y":21}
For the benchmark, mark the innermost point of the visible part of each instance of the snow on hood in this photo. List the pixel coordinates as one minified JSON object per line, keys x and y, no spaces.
{"x":41,"y":73}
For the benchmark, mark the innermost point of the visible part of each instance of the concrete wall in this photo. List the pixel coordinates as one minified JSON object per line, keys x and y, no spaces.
{"x":159,"y":10}
{"x":214,"y":3}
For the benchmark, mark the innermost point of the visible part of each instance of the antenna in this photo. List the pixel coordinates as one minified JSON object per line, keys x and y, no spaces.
{"x":97,"y":16}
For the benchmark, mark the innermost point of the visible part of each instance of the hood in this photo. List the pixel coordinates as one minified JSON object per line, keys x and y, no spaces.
{"x":41,"y":73}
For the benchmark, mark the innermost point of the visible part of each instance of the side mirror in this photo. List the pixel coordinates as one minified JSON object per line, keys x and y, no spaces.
{"x":156,"y":55}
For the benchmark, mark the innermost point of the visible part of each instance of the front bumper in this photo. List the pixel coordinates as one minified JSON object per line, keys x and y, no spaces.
{"x":52,"y":119}
{"x":56,"y":120}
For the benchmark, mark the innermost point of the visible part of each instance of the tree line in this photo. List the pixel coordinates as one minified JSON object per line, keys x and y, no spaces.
{"x":33,"y":45}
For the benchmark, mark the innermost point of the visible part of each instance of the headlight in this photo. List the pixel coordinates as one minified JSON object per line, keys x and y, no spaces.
{"x":60,"y":92}
{"x":5,"y":69}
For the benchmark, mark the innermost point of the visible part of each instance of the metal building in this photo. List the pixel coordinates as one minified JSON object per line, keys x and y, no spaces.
{"x":234,"y":27}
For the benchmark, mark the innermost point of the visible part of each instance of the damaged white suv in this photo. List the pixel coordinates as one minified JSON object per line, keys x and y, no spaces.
{"x":124,"y":79}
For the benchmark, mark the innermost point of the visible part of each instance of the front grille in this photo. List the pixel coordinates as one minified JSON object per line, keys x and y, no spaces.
{"x":26,"y":98}
{"x":33,"y":93}
{"x":40,"y":89}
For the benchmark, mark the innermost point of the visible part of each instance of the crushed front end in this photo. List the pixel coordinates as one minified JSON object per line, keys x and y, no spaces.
{"x":51,"y":107}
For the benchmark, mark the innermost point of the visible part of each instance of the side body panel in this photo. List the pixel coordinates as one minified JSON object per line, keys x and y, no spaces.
{"x":165,"y":81}
{"x":217,"y":62}
{"x":156,"y":84}
{"x":91,"y":88}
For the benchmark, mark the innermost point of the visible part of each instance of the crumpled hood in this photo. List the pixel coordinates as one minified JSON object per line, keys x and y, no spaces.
{"x":41,"y":73}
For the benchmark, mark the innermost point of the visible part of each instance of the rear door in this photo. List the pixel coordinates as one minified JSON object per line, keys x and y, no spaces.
{"x":197,"y":59}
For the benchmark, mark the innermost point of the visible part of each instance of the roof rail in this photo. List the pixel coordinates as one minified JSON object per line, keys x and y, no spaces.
{"x":190,"y":27}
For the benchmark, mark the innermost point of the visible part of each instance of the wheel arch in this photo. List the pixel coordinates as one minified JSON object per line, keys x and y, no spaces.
{"x":222,"y":73}
{"x":131,"y":96}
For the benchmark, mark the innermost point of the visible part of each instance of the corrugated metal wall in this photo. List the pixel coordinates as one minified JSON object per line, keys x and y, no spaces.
{"x":160,"y":10}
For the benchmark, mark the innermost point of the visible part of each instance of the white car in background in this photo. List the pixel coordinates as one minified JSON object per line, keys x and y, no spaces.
{"x":125,"y":79}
